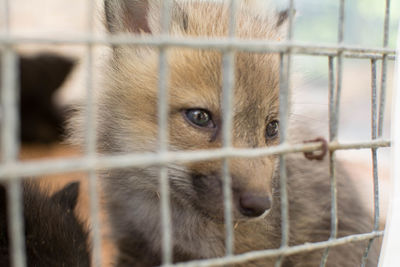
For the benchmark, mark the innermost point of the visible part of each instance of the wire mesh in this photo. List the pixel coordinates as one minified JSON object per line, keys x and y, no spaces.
{"x":11,"y":168}
{"x":391,"y":230}
{"x":163,"y":111}
{"x":10,"y":144}
{"x":90,"y":142}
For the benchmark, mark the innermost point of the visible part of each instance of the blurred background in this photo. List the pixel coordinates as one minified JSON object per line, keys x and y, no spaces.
{"x":54,"y":77}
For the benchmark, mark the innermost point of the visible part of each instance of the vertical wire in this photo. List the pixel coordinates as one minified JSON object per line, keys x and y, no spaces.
{"x":6,"y":16}
{"x":228,"y":85}
{"x":374,"y":133}
{"x":283,"y":124}
{"x":10,"y":144}
{"x":332,"y":157}
{"x":10,"y":149}
{"x":337,"y":112}
{"x":377,"y":127}
{"x":331,"y":93}
{"x":91,"y":140}
{"x":391,"y":242}
{"x":382,"y":100}
{"x":332,"y":172}
{"x":163,"y":136}
{"x":384,"y":71}
{"x":334,"y":108}
{"x":284,"y":92}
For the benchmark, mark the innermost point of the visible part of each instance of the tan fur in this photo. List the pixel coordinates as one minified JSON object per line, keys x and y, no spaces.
{"x":128,"y":123}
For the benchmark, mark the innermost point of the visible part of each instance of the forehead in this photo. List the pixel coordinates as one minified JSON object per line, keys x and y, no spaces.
{"x":195,"y":74}
{"x":196,"y":79}
{"x":212,"y":19}
{"x":256,"y":75}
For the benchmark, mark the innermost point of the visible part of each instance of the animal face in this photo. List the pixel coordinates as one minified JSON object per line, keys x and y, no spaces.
{"x":129,"y":103}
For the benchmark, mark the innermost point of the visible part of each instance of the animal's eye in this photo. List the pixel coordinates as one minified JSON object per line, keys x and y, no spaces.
{"x":199,"y":117}
{"x":272,"y":130}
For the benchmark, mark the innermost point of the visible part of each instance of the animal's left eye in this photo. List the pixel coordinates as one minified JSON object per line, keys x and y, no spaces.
{"x":272,"y":130}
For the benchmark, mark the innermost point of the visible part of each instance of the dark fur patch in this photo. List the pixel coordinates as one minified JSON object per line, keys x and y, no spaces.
{"x":53,"y":234}
{"x":40,"y":77}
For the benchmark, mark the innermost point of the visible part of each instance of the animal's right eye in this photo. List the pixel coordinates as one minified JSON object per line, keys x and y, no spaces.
{"x":272,"y":130}
{"x":199,"y":117}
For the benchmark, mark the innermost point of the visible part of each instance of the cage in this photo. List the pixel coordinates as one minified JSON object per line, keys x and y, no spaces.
{"x":334,"y":52}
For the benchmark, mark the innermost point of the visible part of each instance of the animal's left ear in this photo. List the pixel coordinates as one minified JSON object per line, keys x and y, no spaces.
{"x":67,"y":197}
{"x":283,"y":17}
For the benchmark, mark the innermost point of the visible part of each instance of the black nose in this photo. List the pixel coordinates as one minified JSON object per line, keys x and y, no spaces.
{"x":252,"y":205}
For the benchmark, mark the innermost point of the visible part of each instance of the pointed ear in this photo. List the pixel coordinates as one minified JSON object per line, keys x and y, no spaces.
{"x":3,"y":201}
{"x":44,"y":73}
{"x":140,"y":16}
{"x":67,"y":197}
{"x":127,"y":15}
{"x":283,"y":17}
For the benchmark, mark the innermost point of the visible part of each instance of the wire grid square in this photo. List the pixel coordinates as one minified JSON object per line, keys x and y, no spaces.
{"x":11,"y":169}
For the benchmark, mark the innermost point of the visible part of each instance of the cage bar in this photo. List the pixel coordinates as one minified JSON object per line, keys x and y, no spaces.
{"x":90,"y":144}
{"x":9,"y":151}
{"x":228,"y":85}
{"x":334,"y":107}
{"x":10,"y":143}
{"x":374,"y":133}
{"x":284,"y":92}
{"x":109,"y":162}
{"x":163,"y":136}
{"x":260,"y":254}
{"x":384,"y":70}
{"x":11,"y":170}
{"x":388,"y":256}
{"x":217,"y":43}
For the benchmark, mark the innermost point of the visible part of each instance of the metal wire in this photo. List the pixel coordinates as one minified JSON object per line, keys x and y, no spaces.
{"x":384,"y":70}
{"x":163,"y":135}
{"x":5,"y":14}
{"x":377,"y":123}
{"x":334,"y":107}
{"x":10,"y":143}
{"x":255,"y":255}
{"x":283,"y":114}
{"x":388,"y":256}
{"x":90,"y":141}
{"x":67,"y":165}
{"x":202,"y":43}
{"x":228,"y":85}
{"x":9,"y":153}
{"x":374,"y":133}
{"x":284,"y":92}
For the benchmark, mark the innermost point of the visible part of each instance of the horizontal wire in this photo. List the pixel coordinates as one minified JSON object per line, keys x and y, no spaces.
{"x":203,"y":43}
{"x":33,"y":168}
{"x":307,"y":247}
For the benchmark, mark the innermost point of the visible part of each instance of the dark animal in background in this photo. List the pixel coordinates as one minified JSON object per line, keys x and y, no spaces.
{"x":53,"y":234}
{"x":40,"y":77}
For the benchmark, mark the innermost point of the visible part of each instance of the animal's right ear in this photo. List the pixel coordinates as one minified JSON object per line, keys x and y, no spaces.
{"x":127,"y":15}
{"x":282,"y":21}
{"x":282,"y":17}
{"x":67,"y":197}
{"x":3,"y":201}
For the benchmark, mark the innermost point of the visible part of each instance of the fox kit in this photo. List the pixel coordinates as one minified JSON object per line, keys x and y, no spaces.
{"x":53,"y":234}
{"x":127,"y":121}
